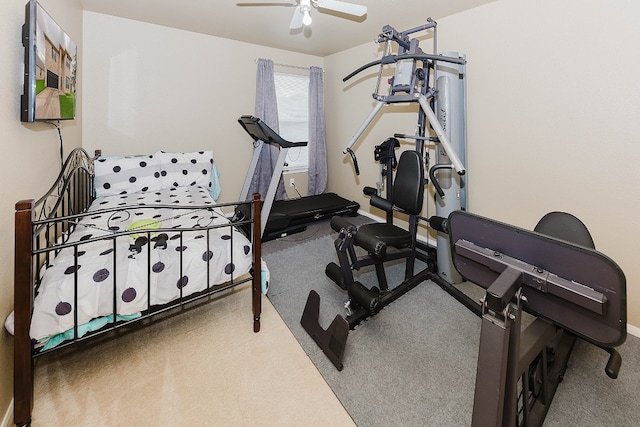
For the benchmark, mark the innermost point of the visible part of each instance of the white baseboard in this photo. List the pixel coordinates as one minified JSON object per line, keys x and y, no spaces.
{"x":369,"y":215}
{"x":7,"y":420}
{"x":632,"y":330}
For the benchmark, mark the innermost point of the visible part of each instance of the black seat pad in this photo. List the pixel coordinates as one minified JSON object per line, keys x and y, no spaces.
{"x":390,"y":234}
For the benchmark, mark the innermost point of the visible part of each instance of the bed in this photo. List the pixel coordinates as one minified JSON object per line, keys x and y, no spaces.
{"x":120,"y":240}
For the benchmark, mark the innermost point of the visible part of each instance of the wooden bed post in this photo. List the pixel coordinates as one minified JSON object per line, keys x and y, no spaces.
{"x":23,"y":306}
{"x":257,"y":263}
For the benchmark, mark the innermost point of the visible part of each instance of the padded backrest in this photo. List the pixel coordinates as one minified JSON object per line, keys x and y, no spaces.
{"x":564,"y":226}
{"x":408,"y":186}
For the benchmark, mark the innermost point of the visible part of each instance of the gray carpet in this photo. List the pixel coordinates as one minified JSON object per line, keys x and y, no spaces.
{"x":414,"y":363}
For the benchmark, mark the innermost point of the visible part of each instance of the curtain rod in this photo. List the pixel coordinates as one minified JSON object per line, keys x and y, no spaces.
{"x":297,"y":67}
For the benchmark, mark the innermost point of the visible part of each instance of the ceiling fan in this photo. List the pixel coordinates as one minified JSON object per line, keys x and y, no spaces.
{"x":302,"y":16}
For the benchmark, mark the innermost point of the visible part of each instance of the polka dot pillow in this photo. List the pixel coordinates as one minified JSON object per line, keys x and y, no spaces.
{"x":185,"y":169}
{"x":124,"y":175}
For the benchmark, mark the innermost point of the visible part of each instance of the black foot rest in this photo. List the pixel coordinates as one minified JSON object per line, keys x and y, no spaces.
{"x":334,"y":339}
{"x":334,"y":272}
{"x":372,"y":244}
{"x":368,"y":241}
{"x":338,"y":223}
{"x":369,"y":299}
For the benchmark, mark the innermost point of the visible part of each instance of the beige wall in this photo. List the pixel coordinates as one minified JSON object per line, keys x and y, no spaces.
{"x":137,"y":101}
{"x":30,"y":153}
{"x":552,"y":113}
{"x":553,"y":107}
{"x":300,"y":181}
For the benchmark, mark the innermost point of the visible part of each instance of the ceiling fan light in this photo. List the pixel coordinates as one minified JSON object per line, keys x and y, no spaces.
{"x":306,"y":18}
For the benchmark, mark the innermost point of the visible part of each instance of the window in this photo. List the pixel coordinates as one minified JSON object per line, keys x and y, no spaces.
{"x":292,"y":93}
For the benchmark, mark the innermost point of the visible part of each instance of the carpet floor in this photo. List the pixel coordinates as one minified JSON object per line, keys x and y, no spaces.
{"x":414,"y":364}
{"x":203,"y":367}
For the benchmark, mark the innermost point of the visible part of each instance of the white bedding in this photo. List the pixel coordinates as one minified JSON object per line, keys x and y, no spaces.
{"x":202,"y":257}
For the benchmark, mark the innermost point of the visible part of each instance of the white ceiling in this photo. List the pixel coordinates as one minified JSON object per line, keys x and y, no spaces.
{"x":265,"y":25}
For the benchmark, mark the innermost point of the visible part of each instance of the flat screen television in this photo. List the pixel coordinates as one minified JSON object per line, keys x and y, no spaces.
{"x":50,"y":65}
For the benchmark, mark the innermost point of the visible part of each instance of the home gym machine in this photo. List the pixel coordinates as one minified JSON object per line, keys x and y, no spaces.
{"x":442,"y":107}
{"x":411,"y":83}
{"x":553,"y":273}
{"x":281,"y":218}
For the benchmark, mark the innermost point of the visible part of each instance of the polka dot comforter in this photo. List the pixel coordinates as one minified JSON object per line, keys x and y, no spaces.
{"x":152,"y":252}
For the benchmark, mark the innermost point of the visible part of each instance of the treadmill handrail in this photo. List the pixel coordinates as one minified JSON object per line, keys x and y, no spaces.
{"x":259,"y":130}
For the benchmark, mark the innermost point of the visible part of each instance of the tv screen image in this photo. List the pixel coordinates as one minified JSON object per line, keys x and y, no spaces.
{"x":50,"y":65}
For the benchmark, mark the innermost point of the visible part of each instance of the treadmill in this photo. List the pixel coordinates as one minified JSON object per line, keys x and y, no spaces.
{"x":281,"y":218}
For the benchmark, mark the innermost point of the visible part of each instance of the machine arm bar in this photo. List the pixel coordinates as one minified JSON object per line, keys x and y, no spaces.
{"x":361,"y":69}
{"x":430,"y":57}
{"x":416,"y":137}
{"x":390,"y":59}
{"x":364,"y":125}
{"x":435,"y":124}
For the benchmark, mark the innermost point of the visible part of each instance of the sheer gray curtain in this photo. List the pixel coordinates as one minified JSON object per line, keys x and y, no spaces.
{"x":267,"y":110}
{"x":317,"y":145}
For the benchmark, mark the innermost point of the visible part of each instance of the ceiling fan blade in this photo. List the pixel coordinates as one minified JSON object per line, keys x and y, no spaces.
{"x":341,"y":6}
{"x":268,"y":3}
{"x":296,"y":20}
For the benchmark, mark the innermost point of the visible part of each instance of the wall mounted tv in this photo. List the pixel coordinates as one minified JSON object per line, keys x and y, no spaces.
{"x":50,"y":63}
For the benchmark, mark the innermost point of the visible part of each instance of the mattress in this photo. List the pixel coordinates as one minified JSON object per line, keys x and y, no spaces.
{"x":146,"y":262}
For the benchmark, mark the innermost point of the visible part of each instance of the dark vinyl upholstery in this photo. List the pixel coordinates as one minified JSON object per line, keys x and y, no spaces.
{"x":564,"y":226}
{"x":408,"y":195}
{"x":408,"y":186}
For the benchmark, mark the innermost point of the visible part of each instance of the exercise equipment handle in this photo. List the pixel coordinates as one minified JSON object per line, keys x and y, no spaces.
{"x":390,"y":59}
{"x":380,"y":203}
{"x":439,"y":223}
{"x":434,"y":180}
{"x":430,"y":57}
{"x":355,"y":160}
{"x":369,"y":191}
{"x":361,"y":69}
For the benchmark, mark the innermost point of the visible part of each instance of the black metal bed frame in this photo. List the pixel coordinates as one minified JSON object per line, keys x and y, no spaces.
{"x":43,"y":229}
